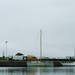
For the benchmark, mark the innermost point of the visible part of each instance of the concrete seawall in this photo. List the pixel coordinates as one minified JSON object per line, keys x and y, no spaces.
{"x":13,"y":64}
{"x":57,"y":64}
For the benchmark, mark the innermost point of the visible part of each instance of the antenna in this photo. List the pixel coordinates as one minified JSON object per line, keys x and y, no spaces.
{"x":3,"y":53}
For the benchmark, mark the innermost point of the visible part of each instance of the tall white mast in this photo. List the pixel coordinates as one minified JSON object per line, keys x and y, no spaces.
{"x":40,"y":44}
{"x":74,"y":50}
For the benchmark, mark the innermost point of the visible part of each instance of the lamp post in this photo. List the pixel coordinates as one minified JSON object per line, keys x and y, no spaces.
{"x":6,"y":48}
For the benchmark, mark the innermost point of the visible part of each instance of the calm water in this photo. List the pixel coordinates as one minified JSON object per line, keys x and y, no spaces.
{"x":37,"y":70}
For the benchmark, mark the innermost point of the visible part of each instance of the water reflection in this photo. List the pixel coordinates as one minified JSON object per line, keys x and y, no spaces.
{"x":31,"y":70}
{"x":37,"y":70}
{"x":13,"y":71}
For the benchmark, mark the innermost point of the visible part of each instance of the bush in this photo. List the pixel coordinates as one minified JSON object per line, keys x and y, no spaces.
{"x":19,"y":54}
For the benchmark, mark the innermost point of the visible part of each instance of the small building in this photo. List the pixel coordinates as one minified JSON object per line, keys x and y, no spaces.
{"x":10,"y":57}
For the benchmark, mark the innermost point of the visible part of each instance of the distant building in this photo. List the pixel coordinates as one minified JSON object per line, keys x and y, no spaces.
{"x":70,"y":57}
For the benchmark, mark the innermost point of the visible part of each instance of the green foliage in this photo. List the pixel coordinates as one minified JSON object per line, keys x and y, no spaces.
{"x":2,"y":58}
{"x":19,"y":54}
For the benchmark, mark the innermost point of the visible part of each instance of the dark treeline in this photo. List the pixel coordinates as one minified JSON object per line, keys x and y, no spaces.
{"x":57,"y":59}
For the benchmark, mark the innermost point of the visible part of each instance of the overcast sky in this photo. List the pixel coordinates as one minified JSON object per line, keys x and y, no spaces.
{"x":22,"y":20}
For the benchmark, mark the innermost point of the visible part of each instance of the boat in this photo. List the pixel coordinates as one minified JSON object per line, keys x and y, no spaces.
{"x":68,"y":64}
{"x":40,"y":63}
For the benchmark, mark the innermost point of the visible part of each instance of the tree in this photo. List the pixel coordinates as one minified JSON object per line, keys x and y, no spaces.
{"x":19,"y":54}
